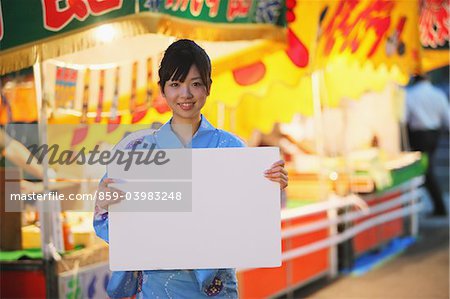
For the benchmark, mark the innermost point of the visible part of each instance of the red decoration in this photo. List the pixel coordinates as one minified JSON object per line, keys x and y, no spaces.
{"x":160,"y":104}
{"x":297,"y":51}
{"x":249,"y":74}
{"x":375,"y":16}
{"x":138,"y":115}
{"x":290,"y":4}
{"x":79,"y":134}
{"x":56,"y":19}
{"x":290,"y":16}
{"x":434,"y":23}
{"x":113,"y":124}
{"x":238,"y":8}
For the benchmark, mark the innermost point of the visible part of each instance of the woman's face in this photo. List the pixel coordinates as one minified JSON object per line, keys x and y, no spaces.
{"x":187,"y":98}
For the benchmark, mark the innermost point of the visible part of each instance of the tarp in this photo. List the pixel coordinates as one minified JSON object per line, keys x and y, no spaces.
{"x":270,"y":87}
{"x":34,"y":29}
{"x":356,"y":46}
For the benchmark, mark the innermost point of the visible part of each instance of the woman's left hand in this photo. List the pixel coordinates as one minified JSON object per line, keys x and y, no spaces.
{"x":277,"y":173}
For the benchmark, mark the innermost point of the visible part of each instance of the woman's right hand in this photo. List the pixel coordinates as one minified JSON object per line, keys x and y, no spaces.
{"x":108,"y":195}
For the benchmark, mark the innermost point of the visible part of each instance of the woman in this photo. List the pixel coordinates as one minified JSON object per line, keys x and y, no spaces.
{"x":185,"y":82}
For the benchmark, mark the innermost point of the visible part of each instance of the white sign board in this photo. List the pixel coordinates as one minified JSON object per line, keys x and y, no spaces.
{"x":234,"y":222}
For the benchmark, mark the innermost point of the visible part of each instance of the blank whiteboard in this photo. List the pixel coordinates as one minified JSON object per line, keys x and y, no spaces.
{"x":234,"y":223}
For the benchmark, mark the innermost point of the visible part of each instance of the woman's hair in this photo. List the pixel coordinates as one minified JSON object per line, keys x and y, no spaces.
{"x":178,"y":59}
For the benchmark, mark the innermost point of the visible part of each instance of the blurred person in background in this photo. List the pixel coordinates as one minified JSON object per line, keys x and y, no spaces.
{"x":427,"y":115}
{"x":18,"y":154}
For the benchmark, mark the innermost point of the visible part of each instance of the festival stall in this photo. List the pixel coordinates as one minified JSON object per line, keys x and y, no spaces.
{"x":71,"y":94}
{"x":361,"y":189}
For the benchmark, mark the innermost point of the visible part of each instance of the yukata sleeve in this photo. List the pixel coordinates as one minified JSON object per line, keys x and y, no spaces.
{"x":230,"y":140}
{"x":101,"y":220}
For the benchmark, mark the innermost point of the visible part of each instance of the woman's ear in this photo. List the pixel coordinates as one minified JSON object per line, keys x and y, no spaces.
{"x":208,"y":89}
{"x":161,"y":91}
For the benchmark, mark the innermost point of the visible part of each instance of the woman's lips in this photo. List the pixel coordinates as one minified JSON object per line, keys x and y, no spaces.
{"x":186,"y":106}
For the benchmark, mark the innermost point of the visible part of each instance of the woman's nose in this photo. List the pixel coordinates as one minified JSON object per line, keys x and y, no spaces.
{"x":186,"y":92}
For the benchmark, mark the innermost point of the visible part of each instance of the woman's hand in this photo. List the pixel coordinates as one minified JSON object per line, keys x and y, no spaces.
{"x":277,"y":173}
{"x":108,"y":195}
{"x":27,"y":187}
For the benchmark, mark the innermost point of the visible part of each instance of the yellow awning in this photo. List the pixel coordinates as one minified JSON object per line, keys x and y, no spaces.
{"x":273,"y":88}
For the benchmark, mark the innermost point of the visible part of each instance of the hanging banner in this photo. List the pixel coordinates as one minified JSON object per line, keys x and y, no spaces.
{"x":216,"y":11}
{"x":434,"y":26}
{"x":18,"y":97}
{"x":219,"y":20}
{"x":44,"y":29}
{"x":101,"y":94}
{"x":379,"y":31}
{"x":114,"y":118}
{"x":25,"y":21}
{"x":81,"y":131}
{"x":65,"y":87}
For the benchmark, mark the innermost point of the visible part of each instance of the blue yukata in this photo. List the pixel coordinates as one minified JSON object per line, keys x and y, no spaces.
{"x":200,"y":283}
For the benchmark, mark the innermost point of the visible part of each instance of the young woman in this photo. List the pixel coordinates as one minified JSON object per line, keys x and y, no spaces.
{"x":185,"y":82}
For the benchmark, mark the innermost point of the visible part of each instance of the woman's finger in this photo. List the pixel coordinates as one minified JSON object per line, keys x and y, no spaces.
{"x":108,"y":195}
{"x":278,"y":176}
{"x":278,"y":163}
{"x":273,"y":169}
{"x":276,"y":169}
{"x":273,"y":175}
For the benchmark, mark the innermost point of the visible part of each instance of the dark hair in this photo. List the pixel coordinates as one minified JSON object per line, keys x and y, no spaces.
{"x":178,"y":59}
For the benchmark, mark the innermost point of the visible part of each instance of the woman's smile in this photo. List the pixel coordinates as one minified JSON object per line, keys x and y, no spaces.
{"x":186,"y":106}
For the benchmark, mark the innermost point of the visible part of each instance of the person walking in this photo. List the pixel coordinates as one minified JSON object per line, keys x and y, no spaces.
{"x":427,"y":114}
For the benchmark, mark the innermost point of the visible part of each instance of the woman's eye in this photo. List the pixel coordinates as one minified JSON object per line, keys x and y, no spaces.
{"x":197,"y":84}
{"x":173,"y":84}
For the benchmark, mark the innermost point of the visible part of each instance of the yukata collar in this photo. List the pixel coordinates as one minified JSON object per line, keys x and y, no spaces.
{"x":166,"y":137}
{"x":205,"y":126}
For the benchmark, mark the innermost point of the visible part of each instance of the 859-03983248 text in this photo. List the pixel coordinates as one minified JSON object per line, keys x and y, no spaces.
{"x":54,"y":196}
{"x":153,"y":195}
